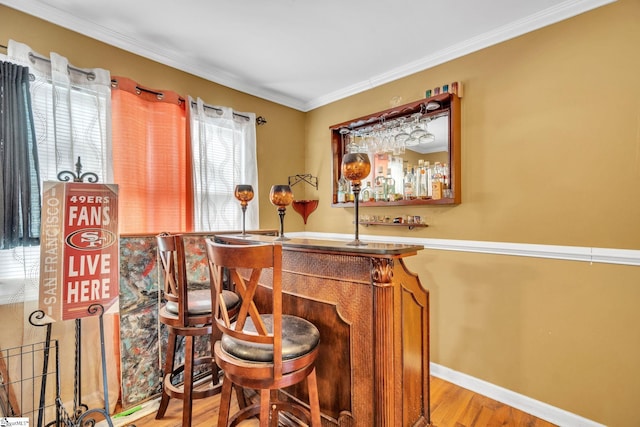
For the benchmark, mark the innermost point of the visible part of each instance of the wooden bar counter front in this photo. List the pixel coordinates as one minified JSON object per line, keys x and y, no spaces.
{"x":373,"y":317}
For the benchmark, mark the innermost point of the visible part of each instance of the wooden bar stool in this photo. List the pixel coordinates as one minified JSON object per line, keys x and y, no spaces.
{"x":267,"y":350}
{"x":187,"y":314}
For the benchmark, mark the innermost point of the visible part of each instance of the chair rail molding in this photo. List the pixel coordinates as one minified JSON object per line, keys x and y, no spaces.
{"x":568,"y":253}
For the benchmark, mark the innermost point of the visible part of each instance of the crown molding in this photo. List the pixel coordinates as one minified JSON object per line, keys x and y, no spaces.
{"x":552,"y":15}
{"x":176,"y":60}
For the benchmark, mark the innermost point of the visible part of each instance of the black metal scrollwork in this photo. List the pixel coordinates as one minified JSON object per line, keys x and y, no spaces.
{"x":35,"y":318}
{"x":77,"y":176}
{"x":96,"y":309}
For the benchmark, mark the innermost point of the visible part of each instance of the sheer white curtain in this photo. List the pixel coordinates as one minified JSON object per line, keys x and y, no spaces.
{"x":72,"y":118}
{"x":72,"y":113}
{"x":223,"y":146}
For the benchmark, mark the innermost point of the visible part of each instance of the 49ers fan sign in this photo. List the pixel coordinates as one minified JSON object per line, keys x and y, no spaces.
{"x":79,"y":248}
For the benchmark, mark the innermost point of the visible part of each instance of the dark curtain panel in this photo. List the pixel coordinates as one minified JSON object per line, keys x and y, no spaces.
{"x":20,"y":186}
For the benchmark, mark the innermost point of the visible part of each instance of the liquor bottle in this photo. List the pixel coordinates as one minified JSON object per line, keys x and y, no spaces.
{"x":366,"y":194}
{"x":421,"y":181}
{"x":416,"y":177}
{"x":380,"y":187}
{"x":428,"y":173}
{"x":409,"y":183}
{"x":437,"y":172}
{"x":343,"y":188}
{"x":350,"y":196}
{"x":446,"y":188}
{"x":390,"y":184}
{"x":437,"y":182}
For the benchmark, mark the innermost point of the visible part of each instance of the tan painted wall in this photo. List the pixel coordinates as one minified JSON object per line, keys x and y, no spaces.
{"x":551,"y":153}
{"x":550,"y":136}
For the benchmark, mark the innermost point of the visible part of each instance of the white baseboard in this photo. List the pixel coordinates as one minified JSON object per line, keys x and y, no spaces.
{"x":534,"y":407}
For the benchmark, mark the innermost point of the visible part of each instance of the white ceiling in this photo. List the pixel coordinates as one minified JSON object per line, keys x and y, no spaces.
{"x":302,"y":53}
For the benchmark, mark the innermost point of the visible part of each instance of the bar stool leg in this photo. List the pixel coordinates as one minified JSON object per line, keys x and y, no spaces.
{"x":314,"y":401}
{"x":168,"y":368}
{"x":264,"y":407}
{"x":187,"y":403}
{"x":240,"y":397}
{"x":225,"y":403}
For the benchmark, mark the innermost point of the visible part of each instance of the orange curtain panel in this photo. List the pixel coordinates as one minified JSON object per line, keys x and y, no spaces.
{"x":151,"y":159}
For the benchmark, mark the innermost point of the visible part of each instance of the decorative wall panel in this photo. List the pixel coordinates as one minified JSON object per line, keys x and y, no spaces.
{"x":141,"y":337}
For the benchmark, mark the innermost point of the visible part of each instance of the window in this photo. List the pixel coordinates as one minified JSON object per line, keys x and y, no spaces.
{"x":224,"y":155}
{"x":71,"y":116}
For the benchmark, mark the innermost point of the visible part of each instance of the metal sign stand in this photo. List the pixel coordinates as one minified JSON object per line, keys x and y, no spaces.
{"x":81,"y":414}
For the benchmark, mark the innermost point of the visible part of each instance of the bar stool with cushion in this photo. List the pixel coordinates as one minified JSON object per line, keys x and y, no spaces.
{"x":187,"y":313}
{"x":266,"y":350}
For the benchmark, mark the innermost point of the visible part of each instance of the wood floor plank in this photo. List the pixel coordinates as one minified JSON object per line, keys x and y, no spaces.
{"x":455,"y":405}
{"x":451,"y":406}
{"x":483,"y":418}
{"x":471,"y":412}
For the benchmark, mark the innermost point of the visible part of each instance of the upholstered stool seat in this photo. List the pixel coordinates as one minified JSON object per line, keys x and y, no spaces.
{"x":200,"y":302}
{"x":299,"y":337}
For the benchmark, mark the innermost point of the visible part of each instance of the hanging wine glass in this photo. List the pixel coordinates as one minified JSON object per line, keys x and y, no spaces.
{"x":348,"y":140}
{"x":418,"y":130}
{"x":427,"y":137}
{"x":355,"y":167}
{"x":377,"y":138}
{"x":244,"y":193}
{"x":281,"y":196}
{"x":402,"y":136}
{"x":368,"y":140}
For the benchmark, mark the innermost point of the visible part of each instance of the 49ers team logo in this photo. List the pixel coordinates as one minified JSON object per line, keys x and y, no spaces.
{"x":91,"y":239}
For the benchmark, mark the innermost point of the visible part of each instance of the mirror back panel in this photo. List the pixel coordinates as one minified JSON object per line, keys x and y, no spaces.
{"x":405,"y":144}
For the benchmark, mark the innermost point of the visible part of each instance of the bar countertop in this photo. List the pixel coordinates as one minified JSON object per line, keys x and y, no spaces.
{"x":371,"y":249}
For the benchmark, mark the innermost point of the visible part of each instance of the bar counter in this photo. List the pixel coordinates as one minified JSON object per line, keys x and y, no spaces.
{"x":373,"y":317}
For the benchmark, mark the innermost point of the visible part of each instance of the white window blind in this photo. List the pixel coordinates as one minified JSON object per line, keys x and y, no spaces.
{"x":224,"y":155}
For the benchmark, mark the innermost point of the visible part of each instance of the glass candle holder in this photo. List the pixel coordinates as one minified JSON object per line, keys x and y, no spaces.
{"x":356,"y":167}
{"x":244,"y":194}
{"x":281,"y":196}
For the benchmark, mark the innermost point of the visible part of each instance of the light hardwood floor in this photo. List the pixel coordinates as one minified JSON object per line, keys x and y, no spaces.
{"x":451,"y":406}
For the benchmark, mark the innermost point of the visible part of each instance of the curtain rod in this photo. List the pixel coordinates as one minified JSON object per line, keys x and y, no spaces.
{"x":259,"y":120}
{"x":218,"y":110}
{"x":90,"y":74}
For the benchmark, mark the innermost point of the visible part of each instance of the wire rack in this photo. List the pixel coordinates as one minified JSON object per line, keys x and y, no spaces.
{"x":25,"y":372}
{"x":30,"y":381}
